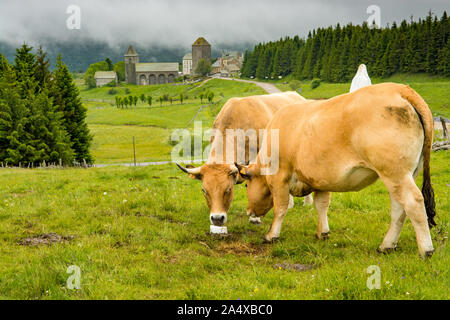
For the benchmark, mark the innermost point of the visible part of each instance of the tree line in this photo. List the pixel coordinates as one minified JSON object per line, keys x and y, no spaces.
{"x":334,"y":53}
{"x":130,"y":100}
{"x":41,"y":114}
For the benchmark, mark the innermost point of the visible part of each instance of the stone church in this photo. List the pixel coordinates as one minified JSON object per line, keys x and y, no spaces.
{"x":148,"y":73}
{"x":159,"y":73}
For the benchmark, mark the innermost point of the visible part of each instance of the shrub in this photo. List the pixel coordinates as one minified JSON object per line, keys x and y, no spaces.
{"x":112,"y":91}
{"x":294,"y":85}
{"x":127,"y":91}
{"x":315,"y":83}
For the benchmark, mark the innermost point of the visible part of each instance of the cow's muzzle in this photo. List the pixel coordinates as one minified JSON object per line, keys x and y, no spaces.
{"x":218,"y":219}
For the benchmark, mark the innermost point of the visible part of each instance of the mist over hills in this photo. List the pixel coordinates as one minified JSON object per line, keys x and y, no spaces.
{"x":78,"y":55}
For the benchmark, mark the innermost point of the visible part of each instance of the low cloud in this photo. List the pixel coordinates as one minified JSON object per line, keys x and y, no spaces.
{"x":177,"y":23}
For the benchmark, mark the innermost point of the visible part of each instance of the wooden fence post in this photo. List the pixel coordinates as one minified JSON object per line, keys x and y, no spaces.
{"x":444,"y":127}
{"x":134,"y":152}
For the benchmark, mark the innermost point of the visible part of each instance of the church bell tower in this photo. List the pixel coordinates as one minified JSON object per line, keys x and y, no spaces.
{"x":131,"y":58}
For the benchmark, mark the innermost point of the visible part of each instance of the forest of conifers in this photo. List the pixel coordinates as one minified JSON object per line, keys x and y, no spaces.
{"x":334,"y":53}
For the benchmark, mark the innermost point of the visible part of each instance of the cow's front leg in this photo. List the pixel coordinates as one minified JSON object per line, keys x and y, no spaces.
{"x":321,"y":203}
{"x":280,"y":207}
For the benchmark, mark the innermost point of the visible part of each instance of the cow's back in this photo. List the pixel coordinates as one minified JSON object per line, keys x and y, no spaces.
{"x":253,"y":112}
{"x":323,"y":139}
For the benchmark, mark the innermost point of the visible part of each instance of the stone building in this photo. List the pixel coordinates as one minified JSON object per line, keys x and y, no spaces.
{"x":156,"y":73}
{"x":187,"y":64}
{"x":229,"y":64}
{"x":104,"y":77}
{"x":131,"y":59}
{"x":148,"y":73}
{"x":201,"y":49}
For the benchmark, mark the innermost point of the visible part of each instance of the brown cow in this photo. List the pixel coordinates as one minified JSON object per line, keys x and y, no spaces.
{"x":345,"y":144}
{"x":218,"y":175}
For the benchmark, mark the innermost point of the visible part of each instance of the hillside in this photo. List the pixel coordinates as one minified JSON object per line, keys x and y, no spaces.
{"x":114,"y":128}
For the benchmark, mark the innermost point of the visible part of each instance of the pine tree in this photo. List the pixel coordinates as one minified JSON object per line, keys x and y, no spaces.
{"x":24,"y":67}
{"x":68,"y":101}
{"x":42,"y":72}
{"x":48,"y":137}
{"x":261,"y":69}
{"x":13,"y":120}
{"x":3,"y":64}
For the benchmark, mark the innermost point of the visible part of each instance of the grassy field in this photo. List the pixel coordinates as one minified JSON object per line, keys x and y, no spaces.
{"x":142,"y":233}
{"x":114,"y":128}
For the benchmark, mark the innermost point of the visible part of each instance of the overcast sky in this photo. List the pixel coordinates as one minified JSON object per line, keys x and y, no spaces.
{"x":179,"y":22}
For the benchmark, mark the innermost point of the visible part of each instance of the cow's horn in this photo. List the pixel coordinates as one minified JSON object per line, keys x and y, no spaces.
{"x":189,"y":170}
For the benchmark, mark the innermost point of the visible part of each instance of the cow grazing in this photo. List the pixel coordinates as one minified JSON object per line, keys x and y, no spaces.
{"x":345,"y":144}
{"x":218,"y":175}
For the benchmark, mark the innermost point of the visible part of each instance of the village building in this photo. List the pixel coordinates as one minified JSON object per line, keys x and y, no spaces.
{"x":187,"y":64}
{"x":215,"y":67}
{"x":229,"y":64}
{"x":201,"y":49}
{"x":104,"y":77}
{"x":148,"y":73}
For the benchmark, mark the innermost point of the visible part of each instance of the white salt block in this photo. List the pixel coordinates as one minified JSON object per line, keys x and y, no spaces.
{"x":218,"y":230}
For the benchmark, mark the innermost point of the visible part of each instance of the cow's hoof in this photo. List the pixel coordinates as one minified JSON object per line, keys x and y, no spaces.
{"x":323,"y":236}
{"x":428,"y":254}
{"x":386,"y":250}
{"x":266,"y":239}
{"x":255,"y":220}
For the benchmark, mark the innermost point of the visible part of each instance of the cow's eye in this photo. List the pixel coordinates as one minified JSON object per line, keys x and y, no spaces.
{"x":204,"y":191}
{"x":228,"y":190}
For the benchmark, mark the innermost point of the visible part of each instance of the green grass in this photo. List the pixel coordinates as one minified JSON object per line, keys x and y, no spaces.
{"x":435,"y":90}
{"x":141,"y":233}
{"x":113,"y":128}
{"x":114,"y":143}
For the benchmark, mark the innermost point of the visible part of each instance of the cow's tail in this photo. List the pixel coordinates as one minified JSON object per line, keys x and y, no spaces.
{"x":427,"y":121}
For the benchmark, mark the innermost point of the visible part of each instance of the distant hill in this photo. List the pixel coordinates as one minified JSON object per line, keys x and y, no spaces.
{"x":80,"y":54}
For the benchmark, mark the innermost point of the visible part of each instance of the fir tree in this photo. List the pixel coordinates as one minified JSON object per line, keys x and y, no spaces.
{"x":13,"y":120}
{"x":68,"y":101}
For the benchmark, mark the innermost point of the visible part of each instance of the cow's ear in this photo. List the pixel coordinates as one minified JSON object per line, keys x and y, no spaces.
{"x":244,"y":172}
{"x":234,"y":172}
{"x":194,"y":173}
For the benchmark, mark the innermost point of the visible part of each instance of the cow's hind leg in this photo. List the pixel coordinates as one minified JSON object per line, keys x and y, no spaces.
{"x":398,"y":216}
{"x":322,"y":203}
{"x":280,"y":207}
{"x":408,"y":195}
{"x":308,"y":200}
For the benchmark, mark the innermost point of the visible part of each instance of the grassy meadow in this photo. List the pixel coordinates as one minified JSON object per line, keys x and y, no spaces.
{"x":114,"y":128}
{"x":143,"y":232}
